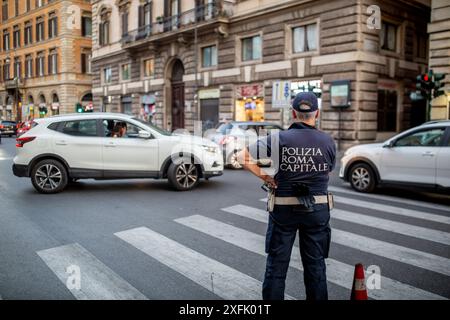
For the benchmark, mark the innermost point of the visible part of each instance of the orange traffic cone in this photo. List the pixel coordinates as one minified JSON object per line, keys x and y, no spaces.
{"x":359,"y":290}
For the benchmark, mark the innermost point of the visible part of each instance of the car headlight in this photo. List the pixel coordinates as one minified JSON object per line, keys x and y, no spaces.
{"x":209,"y":148}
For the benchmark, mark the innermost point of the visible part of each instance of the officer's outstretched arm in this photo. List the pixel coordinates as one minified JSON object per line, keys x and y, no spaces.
{"x":247,"y":161}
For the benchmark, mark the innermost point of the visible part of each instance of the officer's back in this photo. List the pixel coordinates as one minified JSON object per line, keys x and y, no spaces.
{"x":303,"y":157}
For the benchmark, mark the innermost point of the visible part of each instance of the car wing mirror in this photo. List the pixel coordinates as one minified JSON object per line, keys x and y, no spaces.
{"x":144,"y":135}
{"x":389,"y":144}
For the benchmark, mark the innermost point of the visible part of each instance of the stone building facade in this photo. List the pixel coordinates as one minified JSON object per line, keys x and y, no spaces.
{"x":182,"y":61}
{"x":439,"y":32}
{"x":45,"y":49}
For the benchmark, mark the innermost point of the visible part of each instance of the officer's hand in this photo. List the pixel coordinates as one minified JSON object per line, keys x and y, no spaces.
{"x":270,"y":181}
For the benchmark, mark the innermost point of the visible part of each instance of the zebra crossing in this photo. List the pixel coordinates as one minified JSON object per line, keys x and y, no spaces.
{"x":99,"y":281}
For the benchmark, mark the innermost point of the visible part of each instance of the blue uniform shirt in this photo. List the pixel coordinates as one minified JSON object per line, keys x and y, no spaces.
{"x":305,"y":155}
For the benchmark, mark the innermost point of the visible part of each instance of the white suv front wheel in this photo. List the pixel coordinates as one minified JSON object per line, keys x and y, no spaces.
{"x":362,"y":178}
{"x":183,"y":175}
{"x":49,"y":176}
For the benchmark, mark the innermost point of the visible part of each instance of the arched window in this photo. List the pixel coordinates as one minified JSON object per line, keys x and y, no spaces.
{"x":104,"y":26}
{"x":87,"y":97}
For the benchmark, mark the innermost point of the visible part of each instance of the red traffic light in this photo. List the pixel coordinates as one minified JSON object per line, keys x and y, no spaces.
{"x":425,"y":77}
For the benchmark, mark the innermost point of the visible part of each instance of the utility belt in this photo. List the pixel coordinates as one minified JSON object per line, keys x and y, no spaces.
{"x":303,"y":203}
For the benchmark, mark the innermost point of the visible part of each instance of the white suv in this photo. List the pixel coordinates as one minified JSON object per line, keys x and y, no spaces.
{"x":66,"y":148}
{"x":418,"y":157}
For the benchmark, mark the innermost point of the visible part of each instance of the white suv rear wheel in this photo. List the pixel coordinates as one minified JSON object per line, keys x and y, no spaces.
{"x":49,"y":176}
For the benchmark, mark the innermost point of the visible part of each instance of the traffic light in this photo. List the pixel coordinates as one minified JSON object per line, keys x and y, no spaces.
{"x":425,"y":84}
{"x":42,"y":111}
{"x":438,"y":84}
{"x":79,"y":108}
{"x":429,"y":86}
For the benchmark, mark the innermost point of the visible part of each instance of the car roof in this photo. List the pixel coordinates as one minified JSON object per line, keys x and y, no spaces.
{"x":80,"y":116}
{"x":437,"y":122}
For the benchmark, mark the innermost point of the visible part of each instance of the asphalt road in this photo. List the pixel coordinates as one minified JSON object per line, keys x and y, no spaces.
{"x":138,"y":239}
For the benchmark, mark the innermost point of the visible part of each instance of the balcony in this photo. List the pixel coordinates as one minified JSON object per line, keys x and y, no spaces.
{"x":13,"y":83}
{"x":169,"y":28}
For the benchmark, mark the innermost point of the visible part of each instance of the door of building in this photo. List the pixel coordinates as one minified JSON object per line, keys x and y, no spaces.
{"x":177,"y":106}
{"x":177,"y":95}
{"x":418,"y":112}
{"x":209,"y":113}
{"x":387,"y":111}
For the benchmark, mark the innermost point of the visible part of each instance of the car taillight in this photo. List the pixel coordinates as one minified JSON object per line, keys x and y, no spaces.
{"x":22,"y":141}
{"x":2,"y":126}
{"x":226,"y":140}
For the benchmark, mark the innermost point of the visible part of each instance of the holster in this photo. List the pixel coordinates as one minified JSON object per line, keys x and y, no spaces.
{"x":270,"y":200}
{"x":330,"y":201}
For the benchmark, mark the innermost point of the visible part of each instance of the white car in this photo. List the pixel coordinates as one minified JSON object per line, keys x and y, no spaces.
{"x":418,"y":157}
{"x":66,"y":148}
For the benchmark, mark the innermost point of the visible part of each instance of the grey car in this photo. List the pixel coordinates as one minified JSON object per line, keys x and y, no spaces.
{"x":231,"y":136}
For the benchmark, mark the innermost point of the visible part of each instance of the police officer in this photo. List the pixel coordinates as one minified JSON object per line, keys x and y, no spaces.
{"x":303,"y":157}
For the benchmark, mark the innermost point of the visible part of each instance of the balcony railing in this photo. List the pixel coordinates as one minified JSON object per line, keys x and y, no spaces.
{"x":203,"y":13}
{"x":13,"y":83}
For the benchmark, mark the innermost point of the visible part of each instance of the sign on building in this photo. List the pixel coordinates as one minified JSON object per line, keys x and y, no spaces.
{"x":281,"y":94}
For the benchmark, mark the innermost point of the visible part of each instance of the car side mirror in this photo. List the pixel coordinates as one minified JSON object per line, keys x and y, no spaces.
{"x":389,"y":145}
{"x":144,"y":134}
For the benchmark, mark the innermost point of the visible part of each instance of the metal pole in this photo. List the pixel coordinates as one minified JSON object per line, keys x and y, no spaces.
{"x":16,"y":102}
{"x":196,"y":99}
{"x":339,"y":129}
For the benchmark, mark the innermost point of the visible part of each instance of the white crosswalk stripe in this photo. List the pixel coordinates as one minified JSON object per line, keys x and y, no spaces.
{"x":390,"y":198}
{"x":388,"y":209}
{"x":221,"y":279}
{"x":391,"y":209}
{"x":393,"y":226}
{"x":97,"y":281}
{"x":381,"y":248}
{"x":337,"y":272}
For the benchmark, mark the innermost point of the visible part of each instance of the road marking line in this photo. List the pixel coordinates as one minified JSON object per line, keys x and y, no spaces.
{"x":383,"y":249}
{"x":337,"y":272}
{"x":392,"y":209}
{"x":98,"y":281}
{"x":388,"y":209}
{"x":392,"y":226}
{"x":227,"y":283}
{"x":390,"y":198}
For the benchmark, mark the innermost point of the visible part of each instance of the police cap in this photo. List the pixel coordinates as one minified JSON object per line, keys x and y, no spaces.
{"x":305,"y":102}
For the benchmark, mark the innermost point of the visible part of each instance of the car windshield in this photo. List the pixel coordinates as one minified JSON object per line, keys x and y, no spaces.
{"x":153,"y":127}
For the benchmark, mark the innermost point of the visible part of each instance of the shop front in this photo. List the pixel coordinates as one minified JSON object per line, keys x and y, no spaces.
{"x":209,"y":108}
{"x":55,"y":108}
{"x":55,"y":105}
{"x":148,"y":107}
{"x":250,"y":103}
{"x":314,"y":85}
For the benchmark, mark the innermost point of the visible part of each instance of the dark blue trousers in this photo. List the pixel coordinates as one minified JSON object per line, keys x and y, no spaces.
{"x":314,"y":240}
